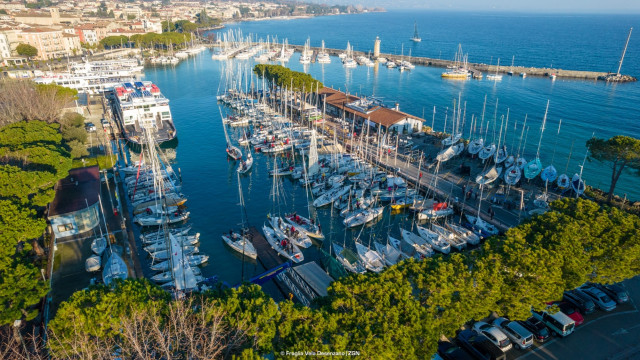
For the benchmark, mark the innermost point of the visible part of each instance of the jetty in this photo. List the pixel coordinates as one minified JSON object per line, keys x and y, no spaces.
{"x":476,"y":69}
{"x":306,"y":281}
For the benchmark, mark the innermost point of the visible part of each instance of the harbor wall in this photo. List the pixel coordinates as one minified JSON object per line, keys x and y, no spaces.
{"x":486,"y":69}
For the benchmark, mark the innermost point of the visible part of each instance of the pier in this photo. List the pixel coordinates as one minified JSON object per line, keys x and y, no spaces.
{"x":306,"y":281}
{"x":478,"y":67}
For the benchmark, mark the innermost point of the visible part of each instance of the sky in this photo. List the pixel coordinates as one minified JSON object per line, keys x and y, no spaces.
{"x":545,"y":6}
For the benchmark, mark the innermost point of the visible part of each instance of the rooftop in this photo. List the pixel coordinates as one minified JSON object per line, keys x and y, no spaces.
{"x":74,"y":192}
{"x":366,"y":108}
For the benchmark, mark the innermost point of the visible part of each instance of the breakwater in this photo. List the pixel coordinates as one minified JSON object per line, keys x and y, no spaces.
{"x":487,"y":69}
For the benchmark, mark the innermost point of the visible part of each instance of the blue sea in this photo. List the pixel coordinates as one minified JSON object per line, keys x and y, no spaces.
{"x":586,"y":108}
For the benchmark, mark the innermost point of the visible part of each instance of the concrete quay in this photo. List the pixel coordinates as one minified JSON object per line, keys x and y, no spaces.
{"x":487,"y":69}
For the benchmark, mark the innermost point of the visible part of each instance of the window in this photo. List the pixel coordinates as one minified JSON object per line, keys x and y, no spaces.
{"x":65,"y":227}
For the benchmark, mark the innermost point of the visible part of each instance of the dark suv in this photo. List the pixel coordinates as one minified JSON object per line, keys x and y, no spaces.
{"x":479,"y":346}
{"x":584,"y":305}
{"x":450,"y":351}
{"x":537,"y":328}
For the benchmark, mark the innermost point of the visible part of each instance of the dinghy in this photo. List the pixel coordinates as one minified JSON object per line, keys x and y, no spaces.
{"x":98,"y":245}
{"x":92,"y":263}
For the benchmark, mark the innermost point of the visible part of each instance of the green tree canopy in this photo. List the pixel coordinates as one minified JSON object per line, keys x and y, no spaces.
{"x":620,"y":153}
{"x":26,"y":50}
{"x":32,"y":159}
{"x":114,"y":41}
{"x":284,"y":77}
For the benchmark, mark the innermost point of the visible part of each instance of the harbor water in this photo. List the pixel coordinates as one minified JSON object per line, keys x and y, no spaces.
{"x":209,"y":177}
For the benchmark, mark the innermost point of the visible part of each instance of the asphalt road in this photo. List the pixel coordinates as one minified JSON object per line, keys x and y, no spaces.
{"x":611,"y":336}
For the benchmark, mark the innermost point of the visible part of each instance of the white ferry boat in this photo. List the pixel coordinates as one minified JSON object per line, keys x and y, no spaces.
{"x":141,"y":105}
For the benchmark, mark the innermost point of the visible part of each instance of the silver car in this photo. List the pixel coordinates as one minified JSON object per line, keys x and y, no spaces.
{"x":601,"y":299}
{"x":520,"y":336}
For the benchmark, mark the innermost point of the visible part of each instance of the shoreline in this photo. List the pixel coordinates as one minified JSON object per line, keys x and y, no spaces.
{"x":292,"y":17}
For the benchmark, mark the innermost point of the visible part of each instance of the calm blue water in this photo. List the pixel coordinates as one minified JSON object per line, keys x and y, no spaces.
{"x":579,"y":42}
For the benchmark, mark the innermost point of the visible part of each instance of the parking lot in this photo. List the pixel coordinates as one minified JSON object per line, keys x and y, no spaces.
{"x":611,"y":335}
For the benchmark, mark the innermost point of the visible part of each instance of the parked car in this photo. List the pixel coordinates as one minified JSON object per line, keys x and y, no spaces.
{"x":583,"y":304}
{"x":494,"y":334}
{"x":479,"y":346}
{"x":558,"y":322}
{"x":614,"y":291}
{"x":450,"y":351}
{"x":90,"y":127}
{"x":520,"y":336}
{"x":104,"y":122}
{"x":598,"y":297}
{"x":538,"y":329}
{"x":568,"y":309}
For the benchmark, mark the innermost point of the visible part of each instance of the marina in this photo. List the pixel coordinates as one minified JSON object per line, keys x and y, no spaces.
{"x":448,"y":190}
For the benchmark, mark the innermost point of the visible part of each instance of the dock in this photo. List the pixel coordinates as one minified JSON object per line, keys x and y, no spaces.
{"x":478,"y":67}
{"x":267,"y":256}
{"x":305,"y":282}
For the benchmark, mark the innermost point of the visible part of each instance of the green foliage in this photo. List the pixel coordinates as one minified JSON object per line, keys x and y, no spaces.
{"x":32,"y":160}
{"x":103,"y":161}
{"x":204,"y":20}
{"x":77,"y":149}
{"x":250,"y":310}
{"x":98,"y":310}
{"x":283,"y":77}
{"x":131,"y":17}
{"x":620,"y":152}
{"x":401,"y":312}
{"x":26,"y":50}
{"x":160,"y":40}
{"x":114,"y":41}
{"x":60,"y":92}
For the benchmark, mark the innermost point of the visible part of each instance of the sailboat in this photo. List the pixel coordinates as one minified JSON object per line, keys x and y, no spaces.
{"x":348,"y":259}
{"x":232,"y":151}
{"x":420,"y":245}
{"x":534,"y":167}
{"x":496,"y":76}
{"x":435,"y":240}
{"x":563,"y":180}
{"x":488,"y":176}
{"x":323,"y":57}
{"x":282,"y":246}
{"x":240,"y":242}
{"x":245,"y":165}
{"x":389,"y":253}
{"x":371,"y":259}
{"x":416,"y":37}
{"x":550,"y":174}
{"x":305,"y":57}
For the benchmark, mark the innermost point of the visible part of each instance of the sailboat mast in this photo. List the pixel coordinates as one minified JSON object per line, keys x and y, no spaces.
{"x":544,"y":121}
{"x":624,"y":51}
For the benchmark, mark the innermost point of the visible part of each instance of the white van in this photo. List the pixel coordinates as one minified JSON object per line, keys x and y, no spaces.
{"x":559,"y":322}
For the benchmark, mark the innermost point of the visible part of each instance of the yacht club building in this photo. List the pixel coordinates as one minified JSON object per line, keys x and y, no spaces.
{"x":369,"y":111}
